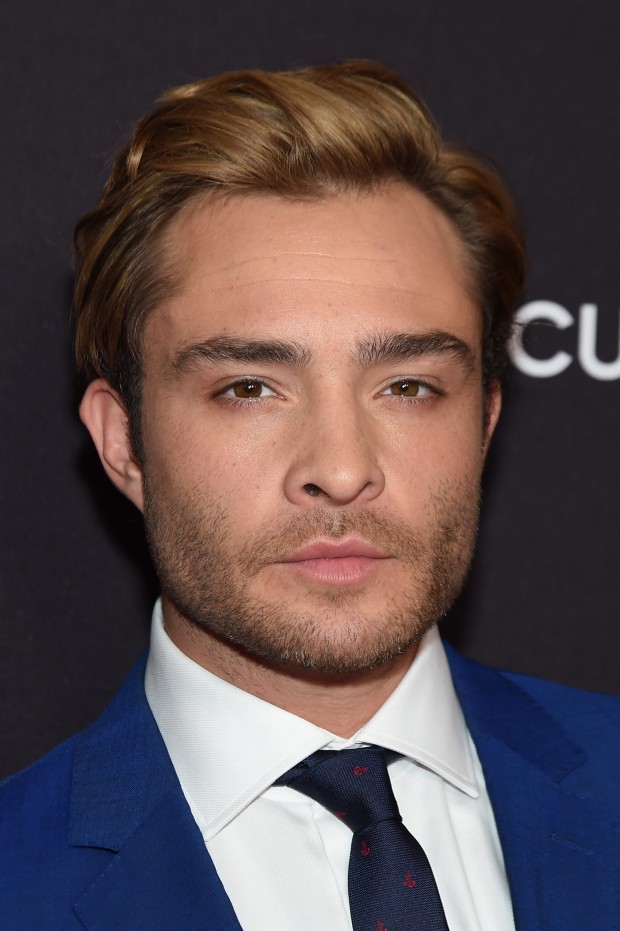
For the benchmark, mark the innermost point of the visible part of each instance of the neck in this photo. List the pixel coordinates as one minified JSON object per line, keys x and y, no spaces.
{"x":340,"y":703}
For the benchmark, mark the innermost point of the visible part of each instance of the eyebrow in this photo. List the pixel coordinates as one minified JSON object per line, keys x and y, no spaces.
{"x":232,"y":349}
{"x":379,"y":348}
{"x":400,"y":347}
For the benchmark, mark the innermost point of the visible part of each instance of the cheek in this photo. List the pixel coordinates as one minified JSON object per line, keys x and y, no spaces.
{"x":186,"y":457}
{"x":439,"y":451}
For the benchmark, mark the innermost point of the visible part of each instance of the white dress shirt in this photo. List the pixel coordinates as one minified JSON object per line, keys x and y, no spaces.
{"x":282,"y":857}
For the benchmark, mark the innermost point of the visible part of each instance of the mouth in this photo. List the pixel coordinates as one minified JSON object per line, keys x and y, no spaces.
{"x":337,"y":562}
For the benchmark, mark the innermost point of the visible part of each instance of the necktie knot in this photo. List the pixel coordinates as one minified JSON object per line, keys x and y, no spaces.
{"x":353,"y":784}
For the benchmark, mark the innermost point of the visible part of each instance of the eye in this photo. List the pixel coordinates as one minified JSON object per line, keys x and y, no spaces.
{"x":408,"y":388}
{"x":247,"y":390}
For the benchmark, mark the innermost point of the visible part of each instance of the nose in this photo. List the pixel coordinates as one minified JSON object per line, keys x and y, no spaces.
{"x":336,"y":458}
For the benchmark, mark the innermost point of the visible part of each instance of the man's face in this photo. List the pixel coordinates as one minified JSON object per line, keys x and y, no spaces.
{"x":313,"y":426}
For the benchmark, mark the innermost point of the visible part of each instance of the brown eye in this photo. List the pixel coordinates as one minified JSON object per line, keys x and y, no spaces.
{"x":406,"y":389}
{"x":248,"y":389}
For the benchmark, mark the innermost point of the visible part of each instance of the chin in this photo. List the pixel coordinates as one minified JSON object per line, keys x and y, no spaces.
{"x":329,"y":645}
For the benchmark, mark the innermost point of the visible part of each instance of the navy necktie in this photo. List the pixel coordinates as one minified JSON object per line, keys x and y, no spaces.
{"x":391,"y":883}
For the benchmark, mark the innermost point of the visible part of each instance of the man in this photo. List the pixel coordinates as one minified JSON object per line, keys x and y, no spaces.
{"x":293,"y":302}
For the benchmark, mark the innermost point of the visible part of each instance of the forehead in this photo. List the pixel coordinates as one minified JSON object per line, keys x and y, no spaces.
{"x":248,"y":263}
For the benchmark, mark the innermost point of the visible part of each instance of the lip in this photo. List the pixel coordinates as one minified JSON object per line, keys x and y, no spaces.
{"x":331,"y":549}
{"x":345,"y":562}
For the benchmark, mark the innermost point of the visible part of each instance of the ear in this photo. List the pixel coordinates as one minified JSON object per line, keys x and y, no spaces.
{"x":105,"y":416}
{"x":492,"y":408}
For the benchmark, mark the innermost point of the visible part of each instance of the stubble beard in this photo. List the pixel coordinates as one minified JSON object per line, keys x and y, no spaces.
{"x":209,"y":581}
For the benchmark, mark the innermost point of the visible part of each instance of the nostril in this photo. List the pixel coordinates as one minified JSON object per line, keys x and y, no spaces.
{"x":312,"y":490}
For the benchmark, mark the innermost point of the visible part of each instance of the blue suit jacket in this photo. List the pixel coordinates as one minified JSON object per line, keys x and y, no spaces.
{"x":98,"y":835}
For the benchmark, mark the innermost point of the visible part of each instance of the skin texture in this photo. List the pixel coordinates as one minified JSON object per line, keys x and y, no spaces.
{"x":314,"y":380}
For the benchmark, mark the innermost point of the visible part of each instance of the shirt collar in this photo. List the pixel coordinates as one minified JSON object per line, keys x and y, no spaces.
{"x":227,"y":746}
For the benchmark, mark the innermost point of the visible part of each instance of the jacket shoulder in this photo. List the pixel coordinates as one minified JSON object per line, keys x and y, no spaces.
{"x":591,"y":718}
{"x":573,"y":706}
{"x":42,"y":869}
{"x":544,"y":720}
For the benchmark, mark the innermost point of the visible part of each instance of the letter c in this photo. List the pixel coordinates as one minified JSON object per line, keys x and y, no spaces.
{"x":555,"y":314}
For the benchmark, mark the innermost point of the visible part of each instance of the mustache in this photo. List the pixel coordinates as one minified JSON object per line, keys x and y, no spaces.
{"x":393,"y":537}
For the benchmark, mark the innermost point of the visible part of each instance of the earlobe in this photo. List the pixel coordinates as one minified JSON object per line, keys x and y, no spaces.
{"x":493,"y":406}
{"x":105,"y":416}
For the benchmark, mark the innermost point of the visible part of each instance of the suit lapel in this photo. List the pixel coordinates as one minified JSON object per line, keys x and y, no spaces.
{"x":560,"y":847}
{"x":162,"y":877}
{"x":126,"y":799}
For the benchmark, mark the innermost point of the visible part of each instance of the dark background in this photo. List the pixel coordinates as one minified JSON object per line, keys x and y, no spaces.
{"x":537,"y":88}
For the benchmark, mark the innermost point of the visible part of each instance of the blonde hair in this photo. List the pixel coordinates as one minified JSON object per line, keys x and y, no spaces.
{"x":305,"y":133}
